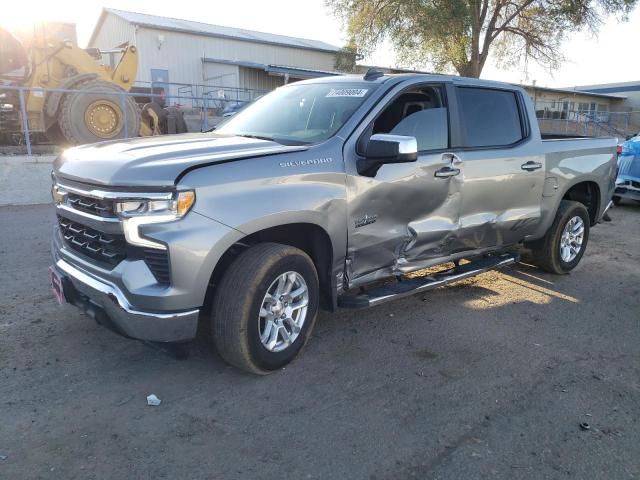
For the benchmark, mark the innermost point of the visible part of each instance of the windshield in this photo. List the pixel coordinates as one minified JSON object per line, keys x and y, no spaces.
{"x":298,"y":114}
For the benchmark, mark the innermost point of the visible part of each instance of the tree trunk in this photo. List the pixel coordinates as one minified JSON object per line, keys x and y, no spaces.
{"x":473,"y":66}
{"x":471,"y":69}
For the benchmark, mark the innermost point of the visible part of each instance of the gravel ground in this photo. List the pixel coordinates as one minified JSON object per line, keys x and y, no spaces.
{"x":487,"y":378}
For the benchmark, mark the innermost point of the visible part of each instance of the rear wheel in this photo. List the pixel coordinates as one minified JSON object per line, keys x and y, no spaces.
{"x":264,"y":307}
{"x":561,"y":249}
{"x":98,"y":113}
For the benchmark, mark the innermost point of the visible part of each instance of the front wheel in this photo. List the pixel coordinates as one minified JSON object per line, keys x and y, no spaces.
{"x":264,"y":307}
{"x":564,"y":244}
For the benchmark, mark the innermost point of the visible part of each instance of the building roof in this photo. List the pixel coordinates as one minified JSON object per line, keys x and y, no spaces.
{"x":611,"y":87}
{"x":219,"y":31}
{"x":574,"y":91}
{"x":275,"y":69}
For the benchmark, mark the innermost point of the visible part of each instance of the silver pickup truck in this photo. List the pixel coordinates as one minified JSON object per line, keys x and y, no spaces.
{"x":322,"y":194}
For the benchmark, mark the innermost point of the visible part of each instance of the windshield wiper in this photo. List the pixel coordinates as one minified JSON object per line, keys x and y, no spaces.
{"x":257,"y":137}
{"x":281,"y":141}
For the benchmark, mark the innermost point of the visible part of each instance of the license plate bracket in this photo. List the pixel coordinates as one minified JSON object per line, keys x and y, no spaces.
{"x":57,"y":286}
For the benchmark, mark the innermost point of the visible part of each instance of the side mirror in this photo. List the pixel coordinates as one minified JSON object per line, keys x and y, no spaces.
{"x":385,"y":148}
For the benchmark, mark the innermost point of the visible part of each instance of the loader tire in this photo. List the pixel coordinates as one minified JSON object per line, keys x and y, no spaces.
{"x":96,"y":113}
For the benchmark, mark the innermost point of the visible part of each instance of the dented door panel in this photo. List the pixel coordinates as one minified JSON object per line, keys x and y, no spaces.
{"x":501,"y":202}
{"x":402,"y":215}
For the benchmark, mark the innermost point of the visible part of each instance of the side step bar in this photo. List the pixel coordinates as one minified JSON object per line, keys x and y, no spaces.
{"x":406,"y":287}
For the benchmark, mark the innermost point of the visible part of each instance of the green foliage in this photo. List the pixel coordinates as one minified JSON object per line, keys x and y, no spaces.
{"x":460,"y":34}
{"x":346,"y":58}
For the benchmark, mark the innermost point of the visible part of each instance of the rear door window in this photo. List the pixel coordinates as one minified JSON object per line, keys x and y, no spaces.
{"x":491,"y":118}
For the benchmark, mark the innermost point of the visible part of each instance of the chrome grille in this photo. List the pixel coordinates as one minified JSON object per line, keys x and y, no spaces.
{"x":99,"y":207}
{"x":109,"y":250}
{"x":100,"y":246}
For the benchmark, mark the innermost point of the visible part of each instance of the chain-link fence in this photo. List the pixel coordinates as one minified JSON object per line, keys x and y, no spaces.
{"x":40,"y":117}
{"x":46,"y":117}
{"x":586,"y":120}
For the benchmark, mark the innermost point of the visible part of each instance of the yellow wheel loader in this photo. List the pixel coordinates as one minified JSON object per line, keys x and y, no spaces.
{"x":93,"y":112}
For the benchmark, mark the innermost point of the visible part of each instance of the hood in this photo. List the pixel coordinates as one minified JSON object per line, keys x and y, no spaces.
{"x":157,"y":161}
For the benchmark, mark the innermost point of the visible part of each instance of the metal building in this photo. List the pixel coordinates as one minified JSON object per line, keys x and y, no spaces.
{"x":200,"y":59}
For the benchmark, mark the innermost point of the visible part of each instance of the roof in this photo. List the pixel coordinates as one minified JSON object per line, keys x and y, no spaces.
{"x":390,"y":70}
{"x":574,"y":91}
{"x":218,"y":31}
{"x":277,"y":69}
{"x":611,"y":87}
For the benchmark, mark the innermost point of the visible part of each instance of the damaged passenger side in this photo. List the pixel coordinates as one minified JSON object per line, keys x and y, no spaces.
{"x":411,"y":200}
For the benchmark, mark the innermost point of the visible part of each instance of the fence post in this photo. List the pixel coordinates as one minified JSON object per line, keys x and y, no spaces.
{"x":626,"y":127}
{"x":206,"y":114}
{"x":123,"y":106}
{"x":25,"y":121}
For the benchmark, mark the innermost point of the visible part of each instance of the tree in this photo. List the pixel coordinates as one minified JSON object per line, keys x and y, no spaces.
{"x":462,"y":33}
{"x":346,"y":58}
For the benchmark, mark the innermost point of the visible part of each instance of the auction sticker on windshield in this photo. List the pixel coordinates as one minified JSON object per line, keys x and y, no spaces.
{"x":347,"y":92}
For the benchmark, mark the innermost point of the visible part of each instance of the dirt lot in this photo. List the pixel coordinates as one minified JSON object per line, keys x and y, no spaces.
{"x":488,"y":378}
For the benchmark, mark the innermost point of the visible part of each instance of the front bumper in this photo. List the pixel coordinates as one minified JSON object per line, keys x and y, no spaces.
{"x":107,"y":304}
{"x":629,"y":193}
{"x":134,"y":290}
{"x":127,"y":298}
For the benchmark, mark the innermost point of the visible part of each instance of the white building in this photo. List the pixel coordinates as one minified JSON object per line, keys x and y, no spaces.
{"x":200,"y":59}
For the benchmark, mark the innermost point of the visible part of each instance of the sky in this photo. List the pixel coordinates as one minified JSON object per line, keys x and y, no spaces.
{"x":609,"y":57}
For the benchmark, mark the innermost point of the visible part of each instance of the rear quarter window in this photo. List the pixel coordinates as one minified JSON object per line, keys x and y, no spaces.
{"x":491,"y":118}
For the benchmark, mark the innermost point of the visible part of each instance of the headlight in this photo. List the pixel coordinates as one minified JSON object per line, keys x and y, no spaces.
{"x":137,"y":212}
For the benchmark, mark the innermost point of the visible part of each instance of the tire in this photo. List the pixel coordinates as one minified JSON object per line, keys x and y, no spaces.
{"x":546,"y":252}
{"x":616,"y":200}
{"x":240,"y":304}
{"x":147,"y":119}
{"x":175,"y":122}
{"x":81,"y":113}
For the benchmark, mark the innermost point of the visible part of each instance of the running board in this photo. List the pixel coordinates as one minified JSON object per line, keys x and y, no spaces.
{"x":406,"y":287}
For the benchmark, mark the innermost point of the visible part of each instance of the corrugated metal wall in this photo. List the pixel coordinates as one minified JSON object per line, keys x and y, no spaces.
{"x":254,"y":79}
{"x":114,"y":31}
{"x":181,"y":53}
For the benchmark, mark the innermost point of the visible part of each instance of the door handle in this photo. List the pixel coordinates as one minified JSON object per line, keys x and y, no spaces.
{"x":446,"y":172}
{"x":452,"y":158}
{"x":531,"y":166}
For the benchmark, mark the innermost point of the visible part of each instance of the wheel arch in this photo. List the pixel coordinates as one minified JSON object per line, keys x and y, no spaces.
{"x":586,"y":192}
{"x":308,"y":237}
